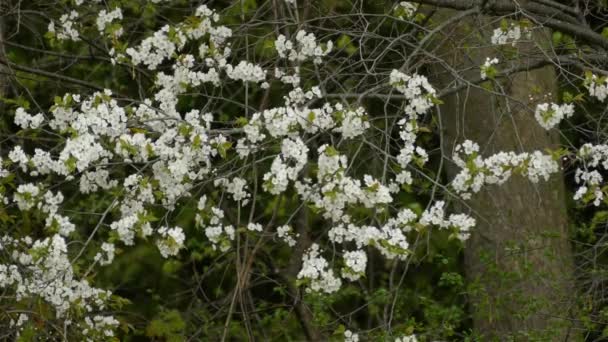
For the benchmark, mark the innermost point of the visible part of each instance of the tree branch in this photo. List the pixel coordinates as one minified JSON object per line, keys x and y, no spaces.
{"x":50,"y":75}
{"x":545,"y":15}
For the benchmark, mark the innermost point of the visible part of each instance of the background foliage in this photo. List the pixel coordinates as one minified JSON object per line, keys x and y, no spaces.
{"x":188,"y":297}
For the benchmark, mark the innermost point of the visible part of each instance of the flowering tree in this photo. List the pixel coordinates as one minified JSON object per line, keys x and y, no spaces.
{"x":284,"y":156}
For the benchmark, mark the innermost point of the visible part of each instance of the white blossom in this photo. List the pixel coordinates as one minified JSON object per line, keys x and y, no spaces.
{"x":304,"y":48}
{"x":355,"y":263}
{"x":417,"y":90}
{"x":171,"y":241}
{"x":597,"y":86}
{"x":498,"y":168}
{"x":254,"y":227}
{"x":315,"y":270}
{"x":106,"y":256}
{"x":285,"y":233}
{"x":246,"y":72}
{"x":350,"y":336}
{"x":25,"y":120}
{"x":487,"y":67}
{"x":104,"y":18}
{"x":67,"y":27}
{"x":550,"y":115}
{"x":510,"y":35}
{"x":409,"y":338}
{"x":26,"y":196}
{"x":237,"y":187}
{"x":405,"y":10}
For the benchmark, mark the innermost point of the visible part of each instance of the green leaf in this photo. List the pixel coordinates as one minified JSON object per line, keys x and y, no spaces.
{"x":242,"y":121}
{"x":504,"y":25}
{"x":345,"y":43}
{"x":436,"y":100}
{"x":223,"y":148}
{"x":311,"y":116}
{"x":557,"y":38}
{"x":196,"y":142}
{"x":169,"y":325}
{"x":70,"y":163}
{"x":171,"y":266}
{"x":331,"y":151}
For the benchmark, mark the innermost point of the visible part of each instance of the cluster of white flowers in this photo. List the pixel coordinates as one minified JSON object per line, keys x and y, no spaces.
{"x":219,"y":234}
{"x":254,"y":227}
{"x":354,"y":264}
{"x":285,"y":233}
{"x":169,"y":156}
{"x":408,"y":152}
{"x":169,"y":40}
{"x":550,"y":115}
{"x":286,"y":166}
{"x":41,"y":269}
{"x":284,"y":77}
{"x":20,"y":320}
{"x":350,"y":336}
{"x":435,"y":215}
{"x":247,"y":72}
{"x":420,"y":97}
{"x":26,"y":196}
{"x":55,"y":222}
{"x":134,"y":147}
{"x":405,"y":10}
{"x":316,"y":271}
{"x":181,"y":148}
{"x":510,"y":35}
{"x":172,"y":240}
{"x":295,"y":115}
{"x":3,"y":173}
{"x":101,"y":115}
{"x":409,"y":338}
{"x":498,"y":168}
{"x":80,"y":2}
{"x":487,"y":69}
{"x":591,"y":157}
{"x":106,"y":256}
{"x":125,"y":228}
{"x":105,"y":18}
{"x":25,"y":120}
{"x":335,"y":191}
{"x":237,"y":188}
{"x":154,"y":50}
{"x":417,"y":90}
{"x":18,"y":156}
{"x":597,"y":86}
{"x":92,"y":181}
{"x":99,"y":327}
{"x":391,"y":240}
{"x":183,"y":152}
{"x":278,"y":122}
{"x":305,"y":47}
{"x":67,"y":27}
{"x":353,"y":122}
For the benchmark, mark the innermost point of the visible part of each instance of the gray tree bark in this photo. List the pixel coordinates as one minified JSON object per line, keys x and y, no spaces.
{"x":518,"y":260}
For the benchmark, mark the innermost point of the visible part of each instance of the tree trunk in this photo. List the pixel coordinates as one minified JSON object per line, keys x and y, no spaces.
{"x":518,"y":260}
